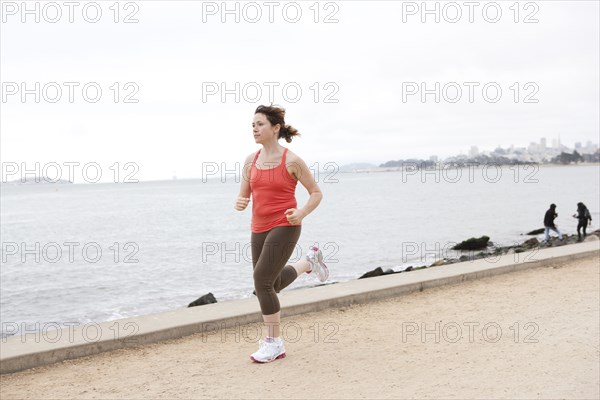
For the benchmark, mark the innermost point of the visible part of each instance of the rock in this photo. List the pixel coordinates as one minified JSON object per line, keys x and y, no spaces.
{"x":408,"y":269}
{"x":571,"y":239}
{"x":206,"y":299}
{"x":530,"y":243}
{"x":536,"y":231}
{"x":438,"y":263}
{"x":463,"y":258}
{"x":376,"y":272}
{"x":591,"y":238}
{"x":390,"y":271}
{"x":555,"y":241}
{"x":473,"y":244}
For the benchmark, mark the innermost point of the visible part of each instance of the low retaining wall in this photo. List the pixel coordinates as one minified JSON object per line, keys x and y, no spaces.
{"x":34,"y":350}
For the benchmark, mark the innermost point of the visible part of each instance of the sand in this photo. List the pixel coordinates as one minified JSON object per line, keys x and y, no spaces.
{"x":526,"y":334}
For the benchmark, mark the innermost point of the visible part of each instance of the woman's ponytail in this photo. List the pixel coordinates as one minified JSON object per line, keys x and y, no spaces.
{"x":288,"y":132}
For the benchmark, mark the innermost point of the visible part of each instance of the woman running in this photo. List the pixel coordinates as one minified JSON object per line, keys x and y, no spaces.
{"x":271,"y":175}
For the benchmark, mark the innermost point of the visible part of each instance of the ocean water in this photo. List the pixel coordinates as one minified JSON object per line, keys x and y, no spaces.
{"x":99,"y":252}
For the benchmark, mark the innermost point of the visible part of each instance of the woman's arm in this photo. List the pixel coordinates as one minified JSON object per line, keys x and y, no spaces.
{"x":308,"y":181}
{"x":244,"y":195}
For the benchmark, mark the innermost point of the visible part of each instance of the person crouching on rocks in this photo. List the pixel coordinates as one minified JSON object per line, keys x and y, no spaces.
{"x":549,"y":223}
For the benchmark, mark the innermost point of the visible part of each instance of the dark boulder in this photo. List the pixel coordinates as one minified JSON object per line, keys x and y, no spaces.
{"x":536,"y":231}
{"x":206,"y":299}
{"x":531,"y":243}
{"x":473,"y":244}
{"x":376,"y":272}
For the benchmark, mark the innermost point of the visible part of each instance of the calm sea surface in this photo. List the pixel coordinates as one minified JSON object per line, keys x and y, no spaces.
{"x":98,"y":252}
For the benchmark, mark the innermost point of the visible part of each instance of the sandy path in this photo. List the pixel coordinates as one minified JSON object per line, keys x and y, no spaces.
{"x":548,"y":348}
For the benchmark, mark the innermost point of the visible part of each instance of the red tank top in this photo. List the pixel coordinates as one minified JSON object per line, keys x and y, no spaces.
{"x":273,"y":191}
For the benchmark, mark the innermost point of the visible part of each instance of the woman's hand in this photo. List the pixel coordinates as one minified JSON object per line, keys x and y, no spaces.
{"x":294,"y":216}
{"x":242,"y":203}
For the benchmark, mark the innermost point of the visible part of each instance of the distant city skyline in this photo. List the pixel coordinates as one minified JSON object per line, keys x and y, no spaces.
{"x":535,"y":152}
{"x":589,"y":148}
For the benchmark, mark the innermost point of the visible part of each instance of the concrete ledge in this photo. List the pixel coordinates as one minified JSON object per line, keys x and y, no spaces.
{"x":34,"y":350}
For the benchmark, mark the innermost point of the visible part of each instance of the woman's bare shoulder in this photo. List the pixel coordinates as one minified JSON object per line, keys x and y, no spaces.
{"x":292,"y":157}
{"x":250,"y":157}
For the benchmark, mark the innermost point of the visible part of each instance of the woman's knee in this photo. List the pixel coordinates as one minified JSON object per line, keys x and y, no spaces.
{"x":261,"y":282}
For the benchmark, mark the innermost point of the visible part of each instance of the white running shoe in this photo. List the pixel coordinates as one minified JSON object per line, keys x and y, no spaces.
{"x":268,"y":351}
{"x":315,"y":258}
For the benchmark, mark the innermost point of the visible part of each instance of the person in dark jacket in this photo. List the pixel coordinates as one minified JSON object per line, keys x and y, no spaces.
{"x":549,"y":222}
{"x":583,"y":215}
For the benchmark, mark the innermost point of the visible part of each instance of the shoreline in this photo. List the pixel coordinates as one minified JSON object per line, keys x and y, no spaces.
{"x":490,"y":253}
{"x":74,"y":342}
{"x":516,"y":332}
{"x":322,"y":172}
{"x":441,"y":165}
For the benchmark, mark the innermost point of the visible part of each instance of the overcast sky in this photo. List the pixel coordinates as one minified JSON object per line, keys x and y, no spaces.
{"x":360,"y":75}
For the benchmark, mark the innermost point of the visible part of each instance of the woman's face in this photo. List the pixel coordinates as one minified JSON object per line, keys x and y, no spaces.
{"x":262,"y":129}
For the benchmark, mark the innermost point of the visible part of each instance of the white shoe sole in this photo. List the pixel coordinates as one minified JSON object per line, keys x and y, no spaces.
{"x":282,"y":355}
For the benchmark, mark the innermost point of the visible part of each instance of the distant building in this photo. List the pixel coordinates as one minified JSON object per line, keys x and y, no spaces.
{"x":533,"y":147}
{"x":533,"y":153}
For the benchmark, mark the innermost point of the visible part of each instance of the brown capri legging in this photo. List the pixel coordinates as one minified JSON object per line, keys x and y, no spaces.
{"x":271,"y":251}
